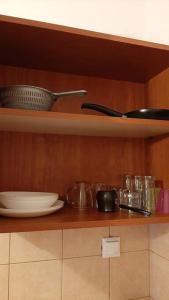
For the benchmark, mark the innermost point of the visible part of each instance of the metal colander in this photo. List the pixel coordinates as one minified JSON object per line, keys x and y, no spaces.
{"x":31,"y":97}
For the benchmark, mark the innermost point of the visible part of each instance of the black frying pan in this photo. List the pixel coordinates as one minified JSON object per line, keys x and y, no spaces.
{"x":158,"y":114}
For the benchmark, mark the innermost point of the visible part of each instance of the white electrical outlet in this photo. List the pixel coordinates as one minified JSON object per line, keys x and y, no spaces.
{"x":111,"y":247}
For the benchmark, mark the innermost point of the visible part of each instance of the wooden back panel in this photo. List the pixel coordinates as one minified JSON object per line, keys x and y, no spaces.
{"x":119,"y":95}
{"x":157,"y":94}
{"x":42,"y":162}
{"x":54,"y":47}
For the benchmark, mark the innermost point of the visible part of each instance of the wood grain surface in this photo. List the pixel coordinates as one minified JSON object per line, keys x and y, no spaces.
{"x":118,"y":95}
{"x":39,"y":162}
{"x":157,"y":92}
{"x":71,"y":218}
{"x":79,"y":124}
{"x":47,"y":162}
{"x":69,"y":50}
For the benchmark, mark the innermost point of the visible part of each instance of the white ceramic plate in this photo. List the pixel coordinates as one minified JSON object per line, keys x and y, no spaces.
{"x":18,"y":213}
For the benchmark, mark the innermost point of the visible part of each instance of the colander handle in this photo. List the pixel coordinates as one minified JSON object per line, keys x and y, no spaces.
{"x":71,"y":93}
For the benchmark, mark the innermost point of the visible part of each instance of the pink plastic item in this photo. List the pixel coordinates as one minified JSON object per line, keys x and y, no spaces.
{"x":163,"y":202}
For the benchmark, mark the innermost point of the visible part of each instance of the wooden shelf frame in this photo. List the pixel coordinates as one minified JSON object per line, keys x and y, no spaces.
{"x":70,"y":50}
{"x":67,"y":50}
{"x":79,"y":124}
{"x":68,"y":218}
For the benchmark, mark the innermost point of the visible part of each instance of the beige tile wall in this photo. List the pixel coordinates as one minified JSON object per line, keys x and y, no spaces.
{"x":129,"y":276}
{"x":159,"y":261}
{"x":67,"y":265}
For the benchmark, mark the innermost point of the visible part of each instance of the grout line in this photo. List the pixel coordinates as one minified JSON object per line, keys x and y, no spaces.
{"x":62,"y":269}
{"x":97,"y":255}
{"x":149,"y":256}
{"x":84,"y":256}
{"x":9,"y":248}
{"x":149,"y":237}
{"x":109,"y":270}
{"x":131,"y":251}
{"x":109,"y":280}
{"x":159,"y":255}
{"x":142,"y":298}
{"x":66,"y":258}
{"x":149,"y":269}
{"x":34,"y":261}
{"x":9,"y":269}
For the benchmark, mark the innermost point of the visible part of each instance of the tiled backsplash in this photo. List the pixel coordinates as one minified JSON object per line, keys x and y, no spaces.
{"x":129,"y":276}
{"x":159,"y":261}
{"x":67,"y":265}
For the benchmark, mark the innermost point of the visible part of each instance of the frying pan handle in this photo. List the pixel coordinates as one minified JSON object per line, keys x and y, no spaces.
{"x":71,"y":93}
{"x":100,"y":108}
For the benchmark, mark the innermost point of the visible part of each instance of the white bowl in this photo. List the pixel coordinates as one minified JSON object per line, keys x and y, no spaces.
{"x":27,"y":200}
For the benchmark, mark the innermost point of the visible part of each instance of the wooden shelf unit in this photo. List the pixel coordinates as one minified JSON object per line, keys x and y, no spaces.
{"x":77,"y":124}
{"x":69,"y":50}
{"x":117,"y":72}
{"x":71,"y":218}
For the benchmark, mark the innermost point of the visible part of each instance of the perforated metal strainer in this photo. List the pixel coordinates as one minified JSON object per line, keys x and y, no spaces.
{"x":31,"y":97}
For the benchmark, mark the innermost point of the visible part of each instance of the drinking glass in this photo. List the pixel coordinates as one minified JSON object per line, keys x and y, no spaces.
{"x":162,"y":205}
{"x":149,"y":193}
{"x":128,"y":182}
{"x":140,"y":187}
{"x":80,"y":195}
{"x":152,"y":195}
{"x":129,"y":195}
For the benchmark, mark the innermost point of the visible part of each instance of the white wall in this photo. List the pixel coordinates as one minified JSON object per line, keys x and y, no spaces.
{"x":157,"y":21}
{"x":142,"y":19}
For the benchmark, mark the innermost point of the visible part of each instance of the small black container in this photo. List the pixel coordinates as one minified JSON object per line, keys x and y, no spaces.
{"x":106,"y":200}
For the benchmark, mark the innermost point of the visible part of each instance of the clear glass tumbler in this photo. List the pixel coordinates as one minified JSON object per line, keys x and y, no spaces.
{"x":80,"y":195}
{"x":149,"y":193}
{"x":140,"y":187}
{"x":129,"y":195}
{"x":128,"y":182}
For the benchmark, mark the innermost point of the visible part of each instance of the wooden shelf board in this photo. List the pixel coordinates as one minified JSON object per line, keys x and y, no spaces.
{"x":70,"y":50}
{"x":72,"y":218}
{"x":79,"y":124}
